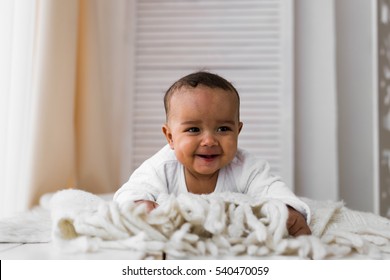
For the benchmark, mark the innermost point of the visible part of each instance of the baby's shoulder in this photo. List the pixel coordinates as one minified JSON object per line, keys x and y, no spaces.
{"x":165,"y":156}
{"x":247,"y":160}
{"x":244,"y":156}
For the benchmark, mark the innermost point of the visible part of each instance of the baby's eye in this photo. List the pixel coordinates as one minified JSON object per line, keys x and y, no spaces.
{"x":224,"y":129}
{"x":193,"y":130}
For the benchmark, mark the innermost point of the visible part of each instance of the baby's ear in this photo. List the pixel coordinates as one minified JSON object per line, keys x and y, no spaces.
{"x":168,"y":135}
{"x":240,"y":124}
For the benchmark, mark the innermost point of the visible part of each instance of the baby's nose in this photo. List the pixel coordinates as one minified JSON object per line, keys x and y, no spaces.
{"x":209,"y":139}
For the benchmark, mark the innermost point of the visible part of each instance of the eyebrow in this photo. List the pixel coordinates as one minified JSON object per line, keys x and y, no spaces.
{"x":190,"y":122}
{"x":197,"y":122}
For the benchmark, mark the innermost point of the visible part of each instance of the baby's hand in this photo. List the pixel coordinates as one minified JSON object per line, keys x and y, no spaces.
{"x":296,"y":223}
{"x":150,"y":205}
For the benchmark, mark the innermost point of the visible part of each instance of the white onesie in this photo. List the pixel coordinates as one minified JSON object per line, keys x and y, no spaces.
{"x":247,"y":174}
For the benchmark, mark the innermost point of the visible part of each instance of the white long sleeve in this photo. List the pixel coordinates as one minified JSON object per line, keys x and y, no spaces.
{"x":164,"y":174}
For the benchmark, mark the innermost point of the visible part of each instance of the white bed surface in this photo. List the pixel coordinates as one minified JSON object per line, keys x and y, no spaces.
{"x":47,"y":251}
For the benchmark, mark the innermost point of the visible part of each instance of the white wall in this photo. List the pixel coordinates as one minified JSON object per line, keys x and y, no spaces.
{"x":356,"y":96}
{"x":316,"y":166}
{"x":334,"y":89}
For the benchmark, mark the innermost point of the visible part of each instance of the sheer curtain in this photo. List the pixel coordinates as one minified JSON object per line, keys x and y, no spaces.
{"x":62,"y":98}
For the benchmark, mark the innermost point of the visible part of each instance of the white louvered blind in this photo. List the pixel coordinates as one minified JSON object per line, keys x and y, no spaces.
{"x":248,"y":42}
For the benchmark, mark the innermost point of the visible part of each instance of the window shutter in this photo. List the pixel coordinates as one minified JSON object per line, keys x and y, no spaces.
{"x":248,"y":42}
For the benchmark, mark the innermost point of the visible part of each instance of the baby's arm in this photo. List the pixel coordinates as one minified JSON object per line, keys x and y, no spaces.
{"x":298,"y":211}
{"x":264,"y":184}
{"x":143,"y":185}
{"x":296,"y":223}
{"x":150,"y":205}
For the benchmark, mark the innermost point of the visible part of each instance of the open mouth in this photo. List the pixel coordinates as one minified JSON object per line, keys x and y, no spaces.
{"x":208,"y":156}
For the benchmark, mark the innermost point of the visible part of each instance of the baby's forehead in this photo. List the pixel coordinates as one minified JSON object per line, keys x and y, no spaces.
{"x":209,"y":91}
{"x":178,"y":97}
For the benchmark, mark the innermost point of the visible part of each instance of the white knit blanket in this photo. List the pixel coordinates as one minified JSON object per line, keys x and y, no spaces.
{"x":216,"y":225}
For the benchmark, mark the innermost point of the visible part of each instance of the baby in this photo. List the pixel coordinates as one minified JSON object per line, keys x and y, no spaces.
{"x":201,"y":157}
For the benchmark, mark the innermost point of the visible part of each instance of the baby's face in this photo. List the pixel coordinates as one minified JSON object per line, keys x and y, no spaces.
{"x":203,"y":127}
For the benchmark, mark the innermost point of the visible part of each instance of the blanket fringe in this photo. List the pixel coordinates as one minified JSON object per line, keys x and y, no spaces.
{"x":213,"y":225}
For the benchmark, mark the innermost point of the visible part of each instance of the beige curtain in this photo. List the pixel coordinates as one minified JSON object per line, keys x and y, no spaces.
{"x":73,"y":112}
